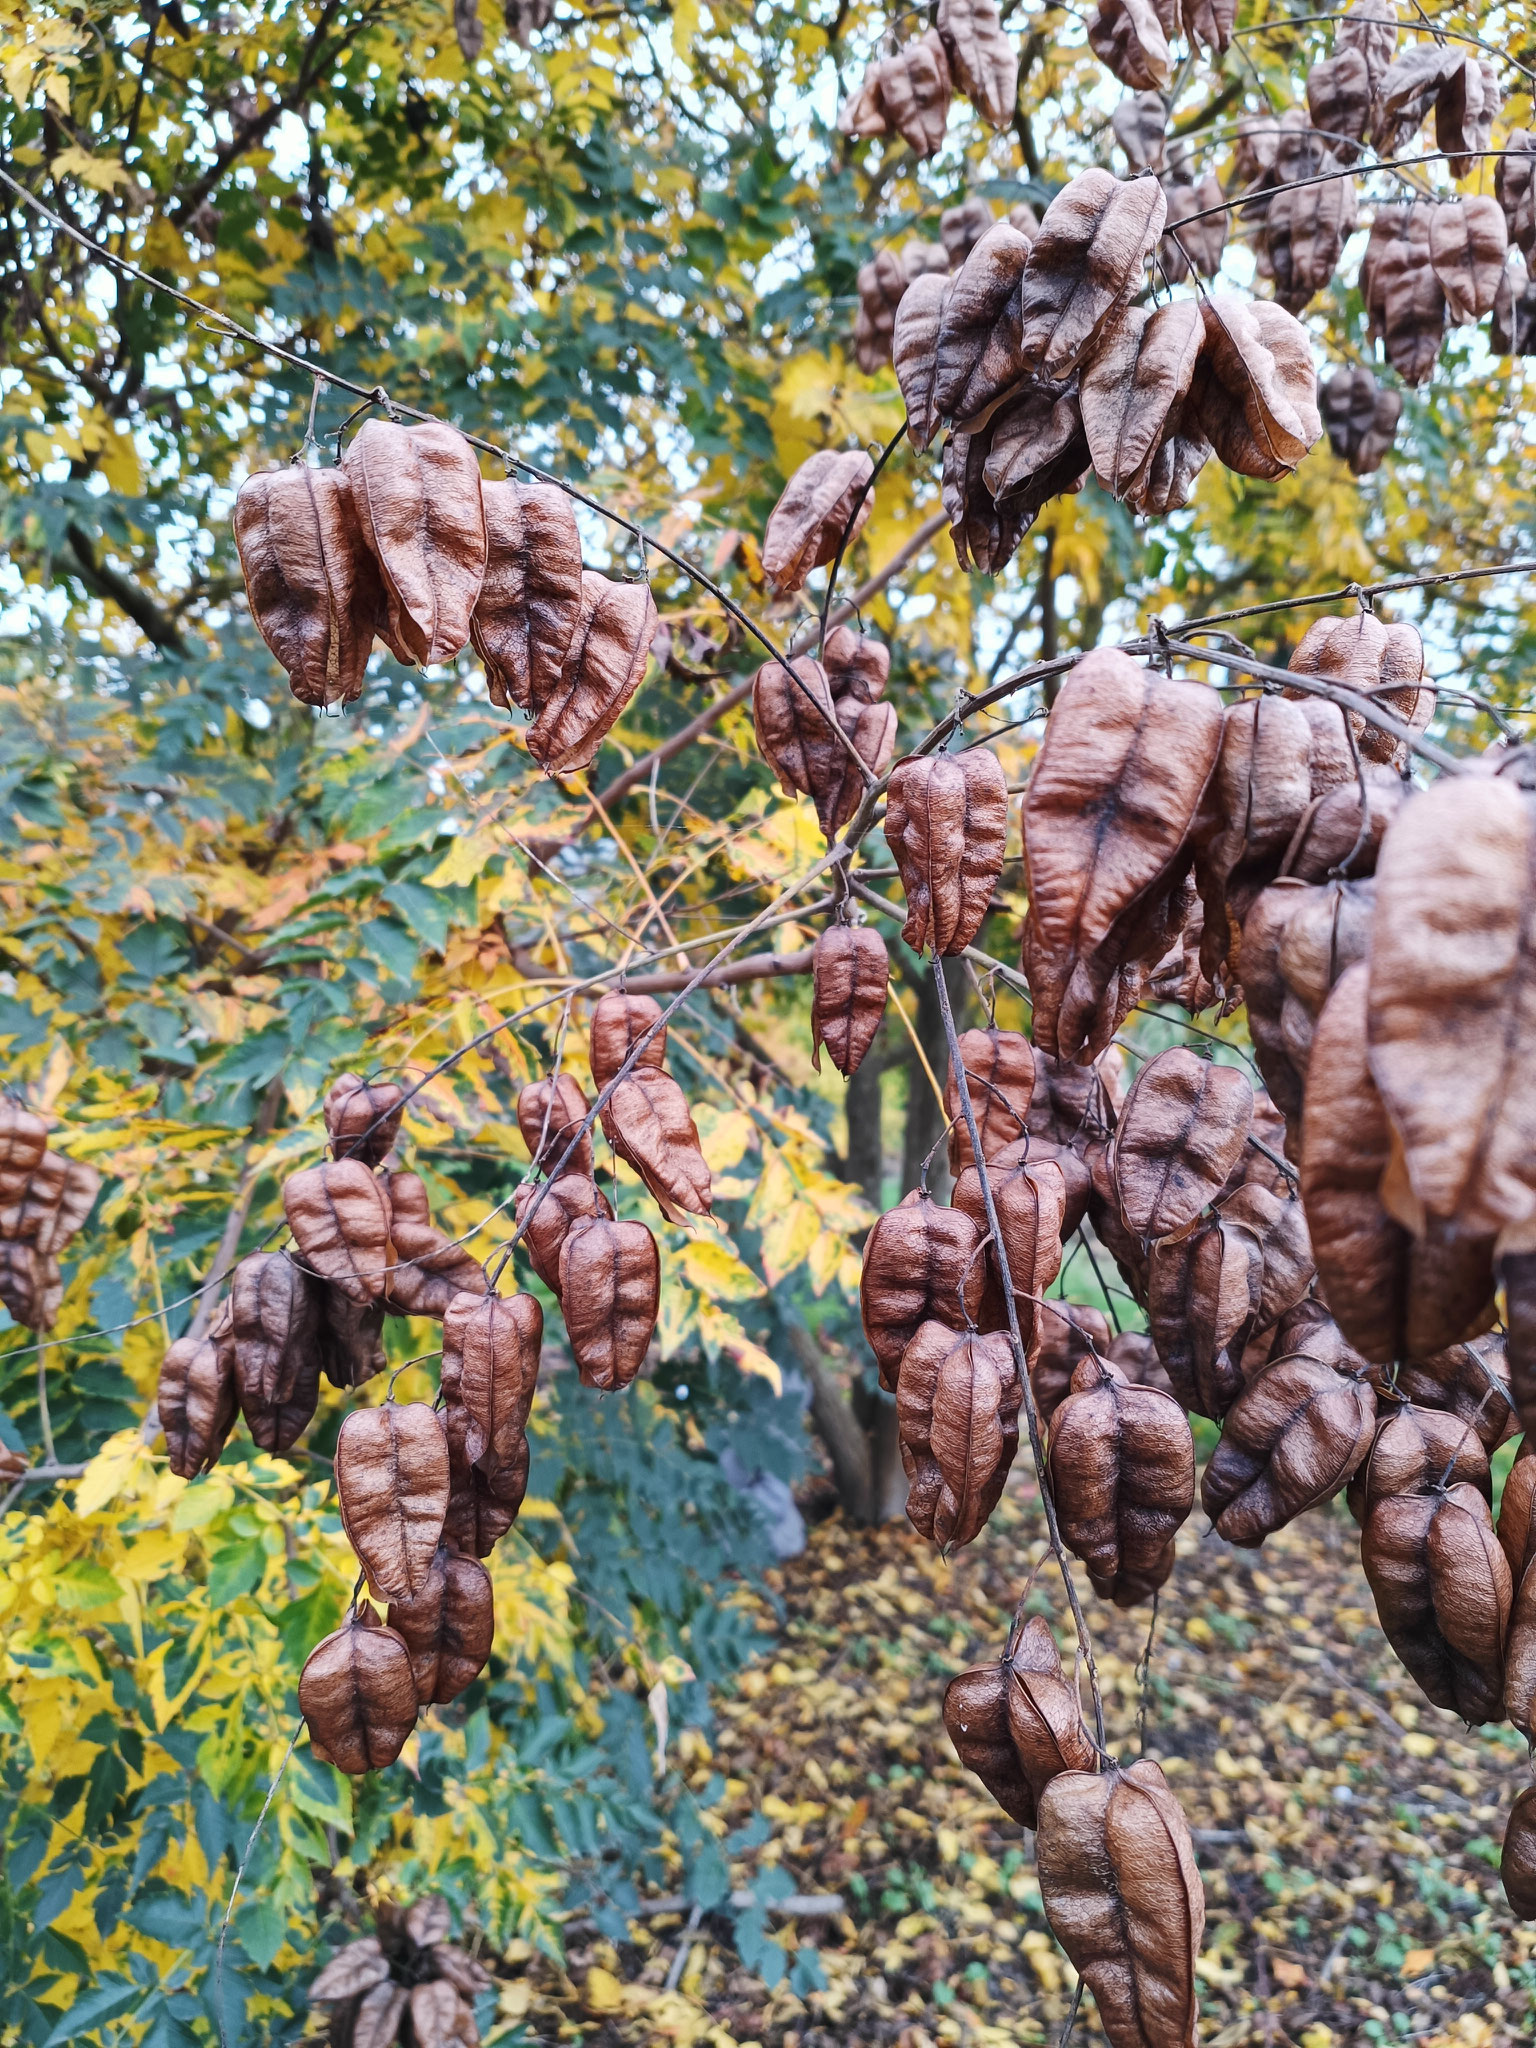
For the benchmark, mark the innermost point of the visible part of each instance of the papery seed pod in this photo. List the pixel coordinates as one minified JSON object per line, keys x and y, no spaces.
{"x":808,"y":524}
{"x":1136,"y":1355}
{"x":447,"y":1627}
{"x":1121,"y":1892}
{"x":863,"y":113}
{"x":58,"y":1196}
{"x":962,"y":227}
{"x":1035,"y":445}
{"x":417,"y":493}
{"x":1209,"y":23}
{"x":1291,"y":1440}
{"x":977,"y":341}
{"x":23,"y":1141}
{"x":392,"y":1489}
{"x":986,"y":530}
{"x":1369,"y":26}
{"x":1470,"y":1381}
{"x":482,"y":1504}
{"x":921,"y":1262}
{"x":915,"y":354}
{"x":1128,"y":37}
{"x":1088,"y":260}
{"x":275,"y":1347}
{"x":982,"y":61}
{"x":1517,"y":1861}
{"x":837,"y":784}
{"x":1279,"y":1223}
{"x":454,"y":1966}
{"x":428,"y":1270}
{"x":1361,"y":417}
{"x":339,"y":1216}
{"x":1255,"y":799}
{"x":1512,"y":329}
{"x":1069,"y":1332}
{"x":1339,"y":101}
{"x":490,"y":1369}
{"x":850,"y":978}
{"x":1468,"y":242}
{"x":356,"y":1694}
{"x":354,"y":1969}
{"x":1256,"y":391}
{"x":529,"y":606}
{"x":915,"y":90}
{"x":375,"y":2020}
{"x":1140,"y":123}
{"x":1465,"y":109}
{"x":957,"y":1408}
{"x":999,"y":1069}
{"x":1195,"y":231}
{"x":1401,"y":292}
{"x":1442,"y":1592}
{"x":1327,"y":931}
{"x":1406,"y":91}
{"x":796,"y":736}
{"x":1029,"y":1194}
{"x":1517,"y":1510}
{"x":312,"y":585}
{"x":362,"y":1118}
{"x":196,"y":1403}
{"x":1122,"y":1465}
{"x":440,"y":2018}
{"x":1305,"y":229}
{"x":550,"y":1115}
{"x":882,"y":284}
{"x":619,"y":1021}
{"x":610,"y":1291}
{"x":1072,"y":1103}
{"x":1018,"y":1723}
{"x":1204,"y":1290}
{"x":1183,"y":1129}
{"x":1417,"y":1451}
{"x":1514,"y":185}
{"x":1332,"y":839}
{"x":30,"y":1285}
{"x":604,"y":666}
{"x":351,"y":1351}
{"x":856,"y":665}
{"x":1141,"y":369}
{"x":566,"y":1201}
{"x":946,"y":823}
{"x":1168,"y":481}
{"x":648,"y":1123}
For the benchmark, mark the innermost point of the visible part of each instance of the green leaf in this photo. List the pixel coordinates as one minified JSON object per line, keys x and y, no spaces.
{"x":105,"y":2000}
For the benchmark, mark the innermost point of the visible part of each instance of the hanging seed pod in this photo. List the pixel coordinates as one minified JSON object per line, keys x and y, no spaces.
{"x":1517,"y":1863}
{"x":850,"y":978}
{"x":1136,"y":1355}
{"x":1517,"y":1511}
{"x":529,"y":606}
{"x":1327,"y":931}
{"x":550,"y":1115}
{"x":1406,"y":91}
{"x":977,"y":337}
{"x":1253,"y":804}
{"x":1121,"y":1892}
{"x":482,"y":1504}
{"x":339,"y":1216}
{"x":916,"y":89}
{"x":1470,"y":1381}
{"x":356,"y":1694}
{"x":1416,"y":1451}
{"x":1128,"y":37}
{"x":350,"y":1348}
{"x":1339,"y":101}
{"x":1069,"y":1332}
{"x":362,"y":1118}
{"x":1465,"y":109}
{"x":427,"y":1270}
{"x":1122,"y":1465}
{"x":1361,"y":417}
{"x":1512,"y":328}
{"x":566,"y":1201}
{"x":1291,"y":1440}
{"x":604,"y":666}
{"x":915,"y":353}
{"x":1401,"y":291}
{"x":58,"y":1196}
{"x":807,"y":526}
{"x":1073,"y":1104}
{"x":619,"y":1022}
{"x":1195,"y":233}
{"x":1183,"y":1130}
{"x":1204,"y":1290}
{"x":23,"y":1141}
{"x":1305,"y":229}
{"x":921,"y":1262}
{"x":30,"y":1285}
{"x":275,"y":1347}
{"x":1279,"y":1223}
{"x":355,"y":1968}
{"x":447,"y":1627}
{"x":648,"y":1123}
{"x":1087,"y":261}
{"x":856,"y":665}
{"x":1030,"y":1197}
{"x":792,"y":721}
{"x":490,"y":1369}
{"x":957,"y":1408}
{"x":1017,"y":1723}
{"x":1520,"y":1659}
{"x":882,"y":284}
{"x":962,"y":227}
{"x":392,"y":1489}
{"x":1035,"y":446}
{"x":999,"y":1068}
{"x":610,"y":1291}
{"x":1468,"y":242}
{"x":417,"y":493}
{"x":982,"y":61}
{"x":1442,"y":1592}
{"x":1140,"y":125}
{"x":440,"y":2018}
{"x":1514,"y":185}
{"x":311,"y":583}
{"x":1257,"y":396}
{"x":946,"y":822}
{"x":1370,"y":26}
{"x":197,"y":1403}
{"x":1141,"y":370}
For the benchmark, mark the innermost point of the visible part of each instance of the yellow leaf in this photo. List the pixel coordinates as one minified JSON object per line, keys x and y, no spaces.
{"x":787,"y":1239}
{"x":105,"y":1477}
{"x":724,"y":1136}
{"x":716,"y":1271}
{"x":602,"y":1992}
{"x":722,"y":1331}
{"x":685,"y":26}
{"x":464,"y":859}
{"x":101,"y":173}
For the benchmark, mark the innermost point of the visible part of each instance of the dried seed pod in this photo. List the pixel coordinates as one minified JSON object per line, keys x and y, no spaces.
{"x":1401,"y":291}
{"x":1406,"y":91}
{"x":1442,"y":1592}
{"x":1168,"y":481}
{"x":1122,"y":1465}
{"x":447,"y":1627}
{"x":1142,"y":368}
{"x":1136,"y":1355}
{"x":30,"y":1285}
{"x":1069,"y":1332}
{"x":1370,"y":26}
{"x":1361,"y":417}
{"x":275,"y":1347}
{"x":1339,"y":101}
{"x":610,"y":1291}
{"x":311,"y":583}
{"x":362,"y":1118}
{"x":375,"y":2022}
{"x":619,"y":1021}
{"x":1209,"y":23}
{"x":1140,"y":123}
{"x":1328,"y":931}
{"x":882,"y":284}
{"x":357,"y":1696}
{"x":1468,"y":242}
{"x":807,"y":526}
{"x":1465,"y":109}
{"x":1279,"y":1222}
{"x":986,"y":530}
{"x":459,"y":1969}
{"x":350,"y":1348}
{"x":1128,"y":37}
{"x":482,"y":1505}
{"x":440,"y":2018}
{"x":999,"y":1069}
{"x":1256,"y":393}
{"x":59,"y":1195}
{"x":1517,"y":1510}
{"x":850,"y":978}
{"x":1183,"y":1130}
{"x":1512,"y":329}
{"x":550,"y":1115}
{"x":566,"y":1201}
{"x":1417,"y":1451}
{"x":1121,"y":1892}
{"x":339,"y":1216}
{"x":1195,"y":231}
{"x":796,"y":736}
{"x":1291,"y":1440}
{"x":915,"y":90}
{"x":417,"y":493}
{"x":1035,"y":445}
{"x":1086,"y":262}
{"x":490,"y":1369}
{"x":921,"y":1262}
{"x":1253,"y":804}
{"x":962,"y":227}
{"x":1114,"y":793}
{"x":23,"y":1141}
{"x":856,"y":665}
{"x":957,"y":1408}
{"x":982,"y":62}
{"x":1029,"y":1194}
{"x":977,"y":342}
{"x":1072,"y":1103}
{"x":1204,"y":1290}
{"x":648,"y":1123}
{"x":604,"y":666}
{"x":1305,"y":229}
{"x":354,"y":1969}
{"x":1514,"y":185}
{"x":529,"y":606}
{"x":1517,"y":1862}
{"x":1331,"y":837}
{"x":915,"y":353}
{"x":1018,"y":1723}
{"x":392,"y":1489}
{"x":197,"y":1403}
{"x":1470,"y":1381}
{"x":946,"y":822}
{"x":427,"y":1269}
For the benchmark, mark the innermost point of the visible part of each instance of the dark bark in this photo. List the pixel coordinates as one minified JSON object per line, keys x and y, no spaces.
{"x":864,"y":1164}
{"x":847,"y":1444}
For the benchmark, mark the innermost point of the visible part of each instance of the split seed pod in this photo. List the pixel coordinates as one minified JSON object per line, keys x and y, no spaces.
{"x":1291,"y":1440}
{"x":417,"y":492}
{"x":311,"y":583}
{"x":999,"y":1068}
{"x":648,"y":1123}
{"x":1122,"y":1465}
{"x":1442,"y":1590}
{"x":919,"y":1260}
{"x":957,"y":1408}
{"x":339,"y":1216}
{"x":1415,"y":1451}
{"x":428,"y":1270}
{"x":946,"y":822}
{"x":392,"y":1488}
{"x":1018,"y":1723}
{"x":977,"y":338}
{"x":530,"y":602}
{"x":275,"y":1338}
{"x":447,"y":1627}
{"x":1029,"y":1194}
{"x":610,"y":1291}
{"x":357,"y":1695}
{"x":1517,"y":1863}
{"x":362,"y":1118}
{"x":490,"y":1369}
{"x":850,"y":978}
{"x":549,"y":1115}
{"x":1088,"y":260}
{"x":1183,"y":1130}
{"x":566,"y":1201}
{"x":806,"y":527}
{"x":618,"y":1022}
{"x":197,"y":1403}
{"x":1257,"y":396}
{"x":604,"y":666}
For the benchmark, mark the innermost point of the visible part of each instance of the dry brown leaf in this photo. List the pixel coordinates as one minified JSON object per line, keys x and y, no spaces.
{"x":946,"y":823}
{"x":610,"y":1290}
{"x":357,"y":1696}
{"x":312,"y":585}
{"x":530,"y":602}
{"x":604,"y":666}
{"x":850,"y":978}
{"x":417,"y":493}
{"x":354,"y":1969}
{"x":392,"y":1489}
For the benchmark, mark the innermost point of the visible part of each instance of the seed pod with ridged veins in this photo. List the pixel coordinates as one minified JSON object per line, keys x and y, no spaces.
{"x":482,"y":1505}
{"x":1073,"y":1103}
{"x":977,"y":356}
{"x":30,"y":1285}
{"x":1182,"y":1131}
{"x":850,"y":978}
{"x":790,"y":717}
{"x":417,"y":493}
{"x":1253,"y":803}
{"x":1140,"y":124}
{"x":1517,"y":1511}
{"x":447,"y":1627}
{"x":526,"y":615}
{"x":1256,"y":392}
{"x":362,"y":1118}
{"x":604,"y":666}
{"x":392,"y":1488}
{"x":1520,"y":1658}
{"x":1072,"y":1162}
{"x":1292,"y":1438}
{"x":806,"y":527}
{"x":1416,"y":1450}
{"x":1361,"y":417}
{"x":915,"y":354}
{"x":915,"y":91}
{"x":490,"y":1369}
{"x":58,"y":1196}
{"x":957,"y":1408}
{"x":275,"y":1347}
{"x":918,"y":1260}
{"x":1470,"y":1381}
{"x":1195,"y":232}
{"x":197,"y":1403}
{"x":549,"y":1115}
{"x":1468,"y":242}
{"x":1279,"y":1223}
{"x":1517,"y":1864}
{"x":982,"y":61}
{"x":570,"y":1199}
{"x":1029,"y":1193}
{"x":856,"y":665}
{"x":1035,"y":446}
{"x":373,"y":2020}
{"x":1339,"y":101}
{"x":1128,"y":36}
{"x":1304,"y":232}
{"x":1442,"y":1591}
{"x":999,"y":1068}
{"x":1018,"y":1723}
{"x":312,"y":585}
{"x":1204,"y":1290}
{"x":357,"y":1696}
{"x":1401,"y":291}
{"x":1369,"y":26}
{"x":23,"y":1141}
{"x":946,"y":822}
{"x":351,"y":1350}
{"x":1141,"y":369}
{"x":1069,"y":1332}
{"x":962,"y":227}
{"x":1122,"y":1465}
{"x":1121,"y":1892}
{"x":648,"y":1123}
{"x":610,"y":1290}
{"x":440,"y":2018}
{"x":1088,"y":260}
{"x":882,"y":284}
{"x":1465,"y":109}
{"x":618,"y":1022}
{"x":339,"y":1216}
{"x":1136,"y":1355}
{"x":1328,"y":930}
{"x":428,"y":1270}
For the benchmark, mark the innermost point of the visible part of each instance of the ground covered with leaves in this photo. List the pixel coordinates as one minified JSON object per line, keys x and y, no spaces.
{"x":1348,"y":1833}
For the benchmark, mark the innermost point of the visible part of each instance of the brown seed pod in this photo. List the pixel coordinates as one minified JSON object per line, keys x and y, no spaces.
{"x":882,"y":284}
{"x":1035,"y":446}
{"x":568,"y":1200}
{"x":1442,"y":1592}
{"x":1122,"y":1465}
{"x":915,"y":354}
{"x":977,"y":342}
{"x":1305,"y":229}
{"x":1209,"y":23}
{"x":529,"y":606}
{"x":1517,"y":1510}
{"x":999,"y":1068}
{"x":915,"y":91}
{"x":1253,"y":804}
{"x":1517,"y":1863}
{"x":274,"y":1337}
{"x":490,"y":1369}
{"x":648,"y":1123}
{"x":311,"y":583}
{"x":23,"y":1141}
{"x":1195,"y":233}
{"x":957,"y":1408}
{"x":1141,"y":369}
{"x":392,"y":1489}
{"x":1279,"y":1223}
{"x":856,"y":665}
{"x":1514,"y":185}
{"x":1140,"y":125}
{"x":1128,"y":37}
{"x":30,"y":1285}
{"x":1407,"y":89}
{"x":339,"y":1216}
{"x":1204,"y":1290}
{"x":1256,"y":392}
{"x":417,"y":493}
{"x":946,"y":822}
{"x":1401,"y":291}
{"x":440,"y":2018}
{"x":610,"y":1290}
{"x":604,"y":666}
{"x":1370,"y":26}
{"x":550,"y":1114}
{"x":357,"y":1696}
{"x":1520,"y":1658}
{"x":1468,"y":242}
{"x":619,"y":1021}
{"x":806,"y":527}
{"x":1069,"y":1332}
{"x":1018,"y":1723}
{"x":55,"y":1199}
{"x":850,"y":978}
{"x":918,"y":1261}
{"x":375,"y":2021}
{"x":1291,"y":1440}
{"x":1136,"y":1355}
{"x":1361,"y":417}
{"x":1121,"y":1892}
{"x":1416,"y":1451}
{"x":962,"y":227}
{"x":354,"y":1969}
{"x":482,"y":1505}
{"x":350,"y":1347}
{"x":427,"y":1269}
{"x":1168,"y":481}
{"x":362,"y":1118}
{"x":1030,"y":1196}
{"x":982,"y":61}
{"x":1073,"y":1103}
{"x":1087,"y":261}
{"x":1470,"y":1381}
{"x":1465,"y":109}
{"x":197,"y":1403}
{"x":447,"y":1627}
{"x":1339,"y":101}
{"x":1327,"y":931}
{"x":1183,"y":1129}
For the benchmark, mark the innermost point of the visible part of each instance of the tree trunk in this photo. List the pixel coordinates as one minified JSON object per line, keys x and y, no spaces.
{"x":865,"y":1161}
{"x":848,"y":1446}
